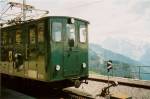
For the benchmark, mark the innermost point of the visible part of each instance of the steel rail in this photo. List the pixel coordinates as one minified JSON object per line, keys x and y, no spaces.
{"x":130,"y":84}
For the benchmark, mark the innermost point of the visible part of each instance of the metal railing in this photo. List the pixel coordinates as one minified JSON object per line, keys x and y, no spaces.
{"x":135,"y":72}
{"x":141,"y":72}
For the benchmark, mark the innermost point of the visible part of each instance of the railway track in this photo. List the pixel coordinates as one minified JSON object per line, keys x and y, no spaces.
{"x":45,"y":92}
{"x":127,"y":89}
{"x":53,"y":94}
{"x":122,"y":81}
{"x":76,"y":94}
{"x":68,"y":93}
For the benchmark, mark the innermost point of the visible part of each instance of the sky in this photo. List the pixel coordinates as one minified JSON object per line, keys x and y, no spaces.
{"x":127,"y":19}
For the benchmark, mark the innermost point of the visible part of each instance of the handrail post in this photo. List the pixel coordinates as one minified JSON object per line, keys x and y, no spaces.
{"x":139,"y":72}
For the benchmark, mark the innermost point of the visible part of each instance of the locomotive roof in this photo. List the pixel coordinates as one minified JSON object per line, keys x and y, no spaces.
{"x":33,"y":20}
{"x":69,"y":17}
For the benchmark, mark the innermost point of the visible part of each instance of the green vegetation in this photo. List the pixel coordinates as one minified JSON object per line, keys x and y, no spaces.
{"x":122,"y":66}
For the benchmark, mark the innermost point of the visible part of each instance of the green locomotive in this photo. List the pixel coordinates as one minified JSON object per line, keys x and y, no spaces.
{"x":49,"y":49}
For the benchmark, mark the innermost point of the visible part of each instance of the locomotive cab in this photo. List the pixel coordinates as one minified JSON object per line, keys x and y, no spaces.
{"x":69,"y":48}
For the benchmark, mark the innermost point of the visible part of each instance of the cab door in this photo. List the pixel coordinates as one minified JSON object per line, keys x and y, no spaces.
{"x":71,"y":51}
{"x":56,"y":44}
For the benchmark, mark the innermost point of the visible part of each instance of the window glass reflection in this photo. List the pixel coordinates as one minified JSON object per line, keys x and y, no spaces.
{"x":83,"y":33}
{"x":71,"y":32}
{"x":56,"y":31}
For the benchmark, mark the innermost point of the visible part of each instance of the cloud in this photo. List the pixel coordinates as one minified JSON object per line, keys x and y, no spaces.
{"x":117,"y":18}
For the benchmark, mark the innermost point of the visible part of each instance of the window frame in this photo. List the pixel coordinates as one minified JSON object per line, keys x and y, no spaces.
{"x":39,"y":25}
{"x":61,"y":31}
{"x":4,"y":38}
{"x":86,"y":29}
{"x":21,"y":41}
{"x":67,"y":37}
{"x":35,"y":30}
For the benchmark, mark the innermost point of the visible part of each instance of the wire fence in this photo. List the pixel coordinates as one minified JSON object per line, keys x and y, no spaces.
{"x":134,"y":72}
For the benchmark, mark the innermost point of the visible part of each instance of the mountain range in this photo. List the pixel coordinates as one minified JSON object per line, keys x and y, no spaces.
{"x":122,"y":65}
{"x":136,"y":50}
{"x":101,"y":54}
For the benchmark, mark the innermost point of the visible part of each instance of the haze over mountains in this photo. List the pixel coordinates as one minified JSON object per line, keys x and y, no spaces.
{"x":100,"y":54}
{"x":123,"y":66}
{"x":125,"y":54}
{"x":138,"y":51}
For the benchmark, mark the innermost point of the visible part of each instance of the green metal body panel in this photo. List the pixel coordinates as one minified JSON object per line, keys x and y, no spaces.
{"x":40,"y":58}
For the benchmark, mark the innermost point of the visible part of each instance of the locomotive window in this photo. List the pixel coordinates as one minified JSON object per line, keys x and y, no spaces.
{"x":18,"y":36}
{"x":4,"y":38}
{"x":41,"y":32}
{"x":56,"y":31}
{"x":32,"y":35}
{"x":71,"y":31}
{"x":83,"y":33}
{"x":10,"y":39}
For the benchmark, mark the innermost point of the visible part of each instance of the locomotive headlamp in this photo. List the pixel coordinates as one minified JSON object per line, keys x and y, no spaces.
{"x":57,"y":67}
{"x":72,"y":20}
{"x":84,"y":65}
